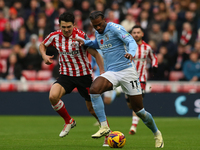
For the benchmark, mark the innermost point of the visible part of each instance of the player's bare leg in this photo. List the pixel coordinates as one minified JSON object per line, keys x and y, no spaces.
{"x":56,"y":92}
{"x":135,"y":120}
{"x":137,"y":106}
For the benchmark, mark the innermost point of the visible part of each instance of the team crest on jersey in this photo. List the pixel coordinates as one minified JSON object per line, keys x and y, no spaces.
{"x":101,"y":41}
{"x":107,"y":37}
{"x":73,"y":45}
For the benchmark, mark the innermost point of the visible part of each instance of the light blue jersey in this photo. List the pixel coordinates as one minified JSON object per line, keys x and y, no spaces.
{"x":114,"y":43}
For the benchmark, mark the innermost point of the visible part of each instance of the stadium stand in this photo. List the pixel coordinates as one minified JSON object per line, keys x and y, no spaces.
{"x":30,"y":16}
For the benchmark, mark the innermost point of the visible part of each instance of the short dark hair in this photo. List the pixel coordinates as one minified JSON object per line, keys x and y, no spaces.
{"x":96,"y":14}
{"x":67,"y":17}
{"x":137,"y":26}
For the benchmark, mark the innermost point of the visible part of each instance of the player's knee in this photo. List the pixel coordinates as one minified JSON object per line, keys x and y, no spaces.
{"x":129,"y":105}
{"x":53,"y":98}
{"x":94,"y":90}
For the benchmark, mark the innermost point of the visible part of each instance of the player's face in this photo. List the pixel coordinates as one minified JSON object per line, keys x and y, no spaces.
{"x":137,"y":34}
{"x":99,"y":24}
{"x":66,"y":28}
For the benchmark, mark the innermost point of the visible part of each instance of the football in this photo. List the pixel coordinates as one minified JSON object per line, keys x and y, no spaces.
{"x":116,"y":139}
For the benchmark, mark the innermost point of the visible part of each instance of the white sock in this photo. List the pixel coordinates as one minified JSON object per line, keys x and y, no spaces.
{"x":104,"y":123}
{"x":135,"y":120}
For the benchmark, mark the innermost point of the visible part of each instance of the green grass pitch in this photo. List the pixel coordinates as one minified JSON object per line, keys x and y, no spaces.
{"x":41,"y":133}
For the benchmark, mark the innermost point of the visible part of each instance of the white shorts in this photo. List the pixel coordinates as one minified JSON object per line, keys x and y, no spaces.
{"x":127,"y":79}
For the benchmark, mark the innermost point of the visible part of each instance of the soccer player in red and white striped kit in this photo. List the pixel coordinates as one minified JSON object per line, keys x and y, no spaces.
{"x":143,"y":52}
{"x":75,"y":69}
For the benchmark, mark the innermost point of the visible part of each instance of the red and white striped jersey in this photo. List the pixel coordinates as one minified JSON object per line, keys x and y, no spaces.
{"x":73,"y":59}
{"x":143,"y":52}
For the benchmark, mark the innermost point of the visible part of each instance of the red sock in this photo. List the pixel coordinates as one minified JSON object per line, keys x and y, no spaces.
{"x":62,"y":111}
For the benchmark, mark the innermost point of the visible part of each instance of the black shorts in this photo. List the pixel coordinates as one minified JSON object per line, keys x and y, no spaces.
{"x":82,"y":84}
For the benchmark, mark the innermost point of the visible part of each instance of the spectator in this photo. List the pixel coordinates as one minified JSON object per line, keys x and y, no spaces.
{"x":33,"y":10}
{"x":19,"y":7}
{"x":41,"y":29}
{"x":32,"y":42}
{"x":33,"y":59}
{"x":197,"y":47}
{"x":179,"y":58}
{"x":128,"y":22}
{"x":190,"y":18}
{"x":157,"y":19}
{"x":85,"y":9}
{"x":3,"y":21}
{"x":51,"y":15}
{"x":134,"y":11}
{"x":187,"y":35}
{"x":118,"y":13}
{"x":23,"y":37}
{"x":171,"y":47}
{"x":15,"y":21}
{"x":111,"y":17}
{"x":153,"y":45}
{"x":99,"y":6}
{"x":155,"y":34}
{"x":144,"y":19}
{"x":68,"y":5}
{"x":30,"y":24}
{"x":13,"y":71}
{"x":146,"y":6}
{"x":191,"y":68}
{"x":172,"y":32}
{"x":8,"y":35}
{"x":4,"y":9}
{"x":78,"y":19}
{"x":19,"y":53}
{"x":166,"y":58}
{"x":162,"y":71}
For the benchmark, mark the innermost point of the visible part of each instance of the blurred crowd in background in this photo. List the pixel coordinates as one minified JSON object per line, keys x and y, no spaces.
{"x":171,"y":28}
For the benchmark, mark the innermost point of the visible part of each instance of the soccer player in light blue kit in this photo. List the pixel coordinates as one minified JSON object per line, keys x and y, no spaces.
{"x":118,"y":48}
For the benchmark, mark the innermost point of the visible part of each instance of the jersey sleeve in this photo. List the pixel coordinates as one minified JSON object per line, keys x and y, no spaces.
{"x":122,"y":34}
{"x":48,"y":41}
{"x":153,"y":58}
{"x":92,"y":44}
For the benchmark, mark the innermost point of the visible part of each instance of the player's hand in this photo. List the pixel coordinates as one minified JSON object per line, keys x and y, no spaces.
{"x":128,"y":56}
{"x":48,"y":59}
{"x":81,"y":42}
{"x":102,"y":71}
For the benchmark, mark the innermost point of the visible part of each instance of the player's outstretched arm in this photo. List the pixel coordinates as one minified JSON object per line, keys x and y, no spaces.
{"x":47,"y":59}
{"x":98,"y":58}
{"x":88,"y":43}
{"x":81,"y":42}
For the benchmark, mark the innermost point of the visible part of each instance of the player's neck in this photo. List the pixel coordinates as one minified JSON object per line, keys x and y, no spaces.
{"x":139,"y":42}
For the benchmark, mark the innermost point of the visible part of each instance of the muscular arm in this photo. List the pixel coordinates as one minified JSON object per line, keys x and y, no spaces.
{"x":91,"y":43}
{"x":47,"y":59}
{"x":98,"y":58}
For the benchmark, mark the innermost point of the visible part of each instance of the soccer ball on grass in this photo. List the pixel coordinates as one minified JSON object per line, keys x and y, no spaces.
{"x":116,"y":139}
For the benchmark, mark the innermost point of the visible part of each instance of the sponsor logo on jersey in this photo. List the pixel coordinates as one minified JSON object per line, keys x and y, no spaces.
{"x":105,"y":46}
{"x":70,"y":53}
